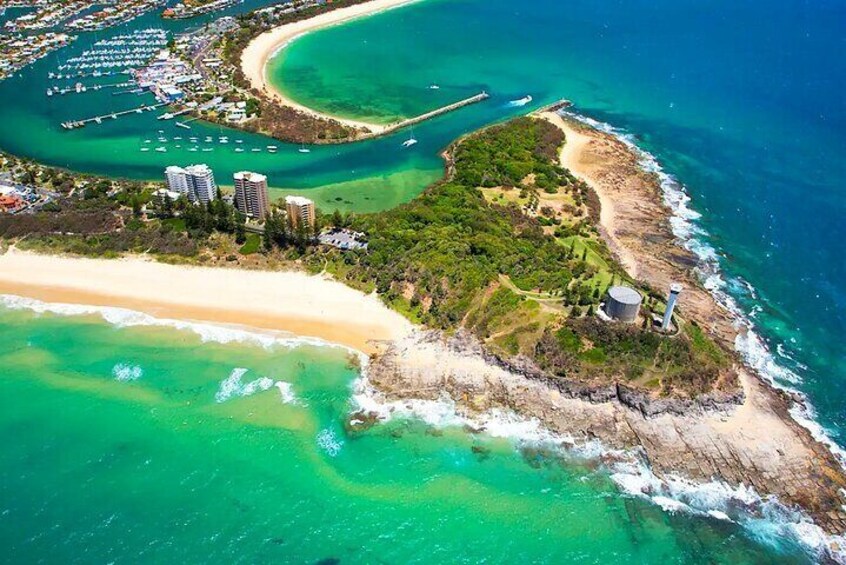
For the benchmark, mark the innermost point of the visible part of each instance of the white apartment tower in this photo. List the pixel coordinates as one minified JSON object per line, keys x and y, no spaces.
{"x":251,"y":194}
{"x":300,"y":211}
{"x":202,"y":183}
{"x":177,"y":181}
{"x":196,"y":182}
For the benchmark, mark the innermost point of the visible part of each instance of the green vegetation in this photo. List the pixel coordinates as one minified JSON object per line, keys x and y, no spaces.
{"x":97,"y":228}
{"x":251,"y":245}
{"x":522,"y":282}
{"x":506,"y":248}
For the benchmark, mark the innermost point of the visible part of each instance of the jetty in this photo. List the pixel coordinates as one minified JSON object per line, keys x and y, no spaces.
{"x":80,"y":88}
{"x":75,"y":124}
{"x":436,"y":112}
{"x":171,"y":115}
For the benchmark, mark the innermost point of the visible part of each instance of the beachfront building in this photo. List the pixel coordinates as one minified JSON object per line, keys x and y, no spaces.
{"x":300,"y":211}
{"x":11,"y":203}
{"x":196,"y":182}
{"x":202,"y":183}
{"x":251,"y":194}
{"x":177,"y":181}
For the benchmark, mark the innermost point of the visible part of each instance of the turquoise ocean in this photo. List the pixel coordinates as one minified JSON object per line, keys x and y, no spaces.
{"x":129,"y":442}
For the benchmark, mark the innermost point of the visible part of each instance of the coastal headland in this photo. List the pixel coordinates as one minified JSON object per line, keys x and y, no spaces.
{"x":739,"y":433}
{"x":750,"y":440}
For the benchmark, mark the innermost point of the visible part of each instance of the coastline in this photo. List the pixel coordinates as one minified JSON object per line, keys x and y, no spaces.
{"x":635,"y":223}
{"x":754,"y":447}
{"x":304,"y":305}
{"x":261,"y":49}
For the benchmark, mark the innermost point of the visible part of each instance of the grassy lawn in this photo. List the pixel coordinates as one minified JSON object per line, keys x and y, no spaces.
{"x":251,"y":245}
{"x":178,"y":224}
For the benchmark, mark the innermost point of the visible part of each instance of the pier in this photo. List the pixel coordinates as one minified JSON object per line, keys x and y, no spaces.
{"x":171,"y":115}
{"x":81,"y":88}
{"x":437,"y":112}
{"x":75,"y":124}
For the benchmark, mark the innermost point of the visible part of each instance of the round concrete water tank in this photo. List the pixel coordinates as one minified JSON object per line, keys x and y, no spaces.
{"x":623,"y":303}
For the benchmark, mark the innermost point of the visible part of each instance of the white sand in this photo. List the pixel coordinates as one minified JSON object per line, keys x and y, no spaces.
{"x":265,"y":46}
{"x":301,"y":304}
{"x":571,"y":158}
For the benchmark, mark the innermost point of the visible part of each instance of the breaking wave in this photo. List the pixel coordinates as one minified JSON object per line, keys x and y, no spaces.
{"x":208,"y":333}
{"x":329,"y":442}
{"x":766,"y":519}
{"x":233,"y":386}
{"x":752,"y":347}
{"x":125,"y":372}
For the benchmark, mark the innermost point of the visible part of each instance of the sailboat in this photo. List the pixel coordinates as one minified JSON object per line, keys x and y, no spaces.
{"x":410,"y":141}
{"x":304,"y":149}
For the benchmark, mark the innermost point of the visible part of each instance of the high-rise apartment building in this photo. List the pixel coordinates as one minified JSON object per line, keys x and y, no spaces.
{"x":177,"y":181}
{"x":201,"y":180}
{"x":251,"y":194}
{"x":300,"y":211}
{"x":196,"y":182}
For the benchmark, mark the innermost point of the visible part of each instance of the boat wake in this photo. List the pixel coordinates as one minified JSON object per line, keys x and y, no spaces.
{"x":520,"y":101}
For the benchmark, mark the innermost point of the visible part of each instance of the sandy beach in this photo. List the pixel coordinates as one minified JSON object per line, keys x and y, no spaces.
{"x":634,"y":221}
{"x":261,"y":49}
{"x":574,"y":158}
{"x":297,"y":303}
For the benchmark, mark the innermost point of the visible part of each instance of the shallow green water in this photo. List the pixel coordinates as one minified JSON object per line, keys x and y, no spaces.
{"x":369,"y":176}
{"x":98,"y":469}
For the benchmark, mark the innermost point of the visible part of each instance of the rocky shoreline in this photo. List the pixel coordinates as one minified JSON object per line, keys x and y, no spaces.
{"x":755,"y":443}
{"x":743,"y":436}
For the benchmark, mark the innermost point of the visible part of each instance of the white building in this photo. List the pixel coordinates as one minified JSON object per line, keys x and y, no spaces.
{"x":300,"y":211}
{"x":202,"y":183}
{"x":196,"y":182}
{"x":177,"y":181}
{"x":251,"y":194}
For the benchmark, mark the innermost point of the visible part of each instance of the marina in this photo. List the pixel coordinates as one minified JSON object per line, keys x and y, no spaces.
{"x":80,"y":88}
{"x":76,"y":124}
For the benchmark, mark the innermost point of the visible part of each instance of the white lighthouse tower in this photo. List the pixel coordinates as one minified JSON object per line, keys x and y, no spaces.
{"x":675,"y":290}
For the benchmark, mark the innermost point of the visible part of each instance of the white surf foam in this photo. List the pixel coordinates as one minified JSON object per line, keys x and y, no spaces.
{"x":208,"y":332}
{"x":444,"y":412}
{"x":329,"y":442}
{"x":286,"y":391}
{"x":766,"y":519}
{"x":125,"y":372}
{"x":232,"y":385}
{"x":751,"y":346}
